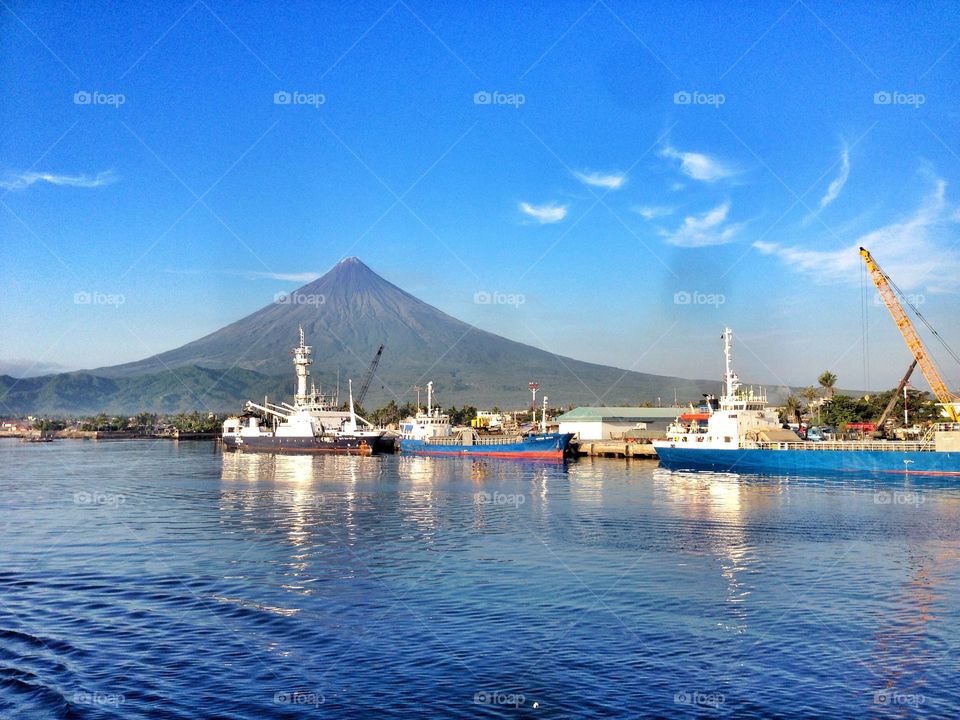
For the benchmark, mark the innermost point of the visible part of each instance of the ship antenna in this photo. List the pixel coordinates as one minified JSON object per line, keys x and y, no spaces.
{"x":729,"y":378}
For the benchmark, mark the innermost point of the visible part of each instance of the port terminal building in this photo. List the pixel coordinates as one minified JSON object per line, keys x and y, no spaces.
{"x":617,"y":423}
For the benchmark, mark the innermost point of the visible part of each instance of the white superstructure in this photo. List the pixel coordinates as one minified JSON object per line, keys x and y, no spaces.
{"x":739,"y":420}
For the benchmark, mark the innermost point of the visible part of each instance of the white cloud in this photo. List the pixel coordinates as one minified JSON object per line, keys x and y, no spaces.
{"x":611,"y":181}
{"x":544,"y":214}
{"x":25,"y":180}
{"x":833,"y":191}
{"x":288,"y":277}
{"x":697,"y":165}
{"x":650,"y":212}
{"x":914,"y":251}
{"x":706,"y":229}
{"x":304,"y":277}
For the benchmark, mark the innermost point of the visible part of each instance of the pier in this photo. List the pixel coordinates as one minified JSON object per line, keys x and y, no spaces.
{"x":613,"y":448}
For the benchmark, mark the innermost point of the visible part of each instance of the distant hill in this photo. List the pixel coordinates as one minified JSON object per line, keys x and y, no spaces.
{"x":346,"y":314}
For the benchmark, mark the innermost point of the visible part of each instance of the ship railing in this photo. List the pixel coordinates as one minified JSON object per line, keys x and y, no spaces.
{"x":947,"y":427}
{"x":455,"y":440}
{"x":879,"y":446}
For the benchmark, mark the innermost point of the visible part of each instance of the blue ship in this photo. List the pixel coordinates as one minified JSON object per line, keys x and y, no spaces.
{"x":831,"y":459}
{"x":541,"y":446}
{"x":430,"y":433}
{"x":744,"y":435}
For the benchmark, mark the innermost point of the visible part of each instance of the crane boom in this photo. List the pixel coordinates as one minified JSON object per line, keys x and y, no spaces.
{"x":902,"y":321}
{"x":369,"y":376}
{"x":895,"y":397}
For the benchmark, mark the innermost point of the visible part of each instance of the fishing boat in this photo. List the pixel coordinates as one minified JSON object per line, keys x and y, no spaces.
{"x":430,"y":432}
{"x":312,"y":424}
{"x":743,"y":434}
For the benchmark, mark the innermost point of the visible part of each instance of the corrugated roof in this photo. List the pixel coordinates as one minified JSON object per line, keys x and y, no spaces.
{"x":633,"y":414}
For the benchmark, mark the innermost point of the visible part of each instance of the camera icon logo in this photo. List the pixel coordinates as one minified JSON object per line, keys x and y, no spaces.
{"x":682,"y":98}
{"x":282,"y":97}
{"x":482,"y":298}
{"x":882,"y":98}
{"x":482,"y":98}
{"x":681,"y":298}
{"x":82,"y":97}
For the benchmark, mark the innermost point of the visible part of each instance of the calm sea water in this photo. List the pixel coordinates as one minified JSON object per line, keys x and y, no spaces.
{"x":157,"y":579}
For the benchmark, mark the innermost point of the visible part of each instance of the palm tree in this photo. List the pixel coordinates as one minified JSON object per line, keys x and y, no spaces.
{"x":792,"y":407}
{"x":811,"y":395}
{"x":827,"y":380}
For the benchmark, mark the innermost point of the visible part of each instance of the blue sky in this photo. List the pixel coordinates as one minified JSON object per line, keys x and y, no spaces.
{"x":642,"y":175}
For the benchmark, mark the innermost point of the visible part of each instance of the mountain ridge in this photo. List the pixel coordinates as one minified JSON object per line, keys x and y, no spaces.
{"x":347,"y":313}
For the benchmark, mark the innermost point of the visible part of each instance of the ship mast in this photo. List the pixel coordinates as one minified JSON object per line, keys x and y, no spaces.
{"x":730,"y":379}
{"x":301,"y":363}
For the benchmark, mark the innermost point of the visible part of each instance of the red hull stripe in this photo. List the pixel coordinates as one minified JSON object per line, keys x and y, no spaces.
{"x":547,"y":454}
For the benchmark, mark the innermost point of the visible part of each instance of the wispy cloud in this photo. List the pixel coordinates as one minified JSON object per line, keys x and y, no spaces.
{"x":544,"y":214}
{"x":288,"y":277}
{"x":25,"y":180}
{"x":698,"y":165}
{"x":651,"y":212}
{"x":709,"y":228}
{"x":915,"y":251}
{"x":611,"y":181}
{"x":833,"y":191}
{"x":304,"y":277}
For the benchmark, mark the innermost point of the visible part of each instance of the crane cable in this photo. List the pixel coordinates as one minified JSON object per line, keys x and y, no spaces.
{"x":864,"y":326}
{"x":922,"y":319}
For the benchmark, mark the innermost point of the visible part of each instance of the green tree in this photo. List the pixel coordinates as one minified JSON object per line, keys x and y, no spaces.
{"x":811,"y":395}
{"x":827,"y":380}
{"x":792,"y":409}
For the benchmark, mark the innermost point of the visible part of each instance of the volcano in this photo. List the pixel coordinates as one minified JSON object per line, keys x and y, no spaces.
{"x":346,"y":315}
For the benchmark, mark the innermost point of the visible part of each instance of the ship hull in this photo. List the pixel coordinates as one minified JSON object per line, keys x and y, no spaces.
{"x":547,"y":447}
{"x":810,"y":462}
{"x":341,"y":445}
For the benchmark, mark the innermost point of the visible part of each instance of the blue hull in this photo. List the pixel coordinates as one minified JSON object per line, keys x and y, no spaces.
{"x":552,"y":445}
{"x":810,"y":462}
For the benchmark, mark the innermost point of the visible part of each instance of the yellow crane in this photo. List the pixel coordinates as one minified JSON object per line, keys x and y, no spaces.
{"x":949,"y":401}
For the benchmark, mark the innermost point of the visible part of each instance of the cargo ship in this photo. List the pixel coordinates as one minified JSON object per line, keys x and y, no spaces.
{"x":312,"y":424}
{"x":431,"y":433}
{"x":744,"y":435}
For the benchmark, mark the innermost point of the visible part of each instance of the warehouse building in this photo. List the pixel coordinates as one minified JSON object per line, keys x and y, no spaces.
{"x":611,"y":423}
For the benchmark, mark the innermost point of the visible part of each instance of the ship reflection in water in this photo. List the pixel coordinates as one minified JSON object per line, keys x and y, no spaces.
{"x":804,"y":580}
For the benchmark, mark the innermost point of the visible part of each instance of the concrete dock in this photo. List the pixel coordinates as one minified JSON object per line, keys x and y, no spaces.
{"x":613,"y":448}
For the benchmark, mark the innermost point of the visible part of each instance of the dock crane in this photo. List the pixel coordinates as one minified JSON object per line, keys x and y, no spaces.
{"x":949,"y":401}
{"x":369,"y":377}
{"x":888,"y":410}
